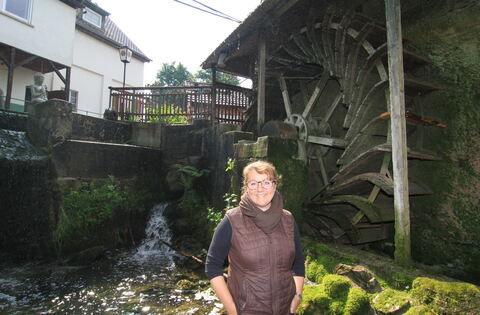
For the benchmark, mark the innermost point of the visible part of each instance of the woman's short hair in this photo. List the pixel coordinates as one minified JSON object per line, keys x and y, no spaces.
{"x":262,"y":167}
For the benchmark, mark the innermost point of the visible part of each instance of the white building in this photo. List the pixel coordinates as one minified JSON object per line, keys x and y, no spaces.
{"x":73,"y":42}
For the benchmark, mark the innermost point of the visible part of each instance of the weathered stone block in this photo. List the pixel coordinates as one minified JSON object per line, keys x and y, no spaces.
{"x":50,"y":122}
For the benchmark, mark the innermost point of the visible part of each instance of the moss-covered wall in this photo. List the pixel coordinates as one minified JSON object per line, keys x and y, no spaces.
{"x":294,"y":186}
{"x":446,"y":225}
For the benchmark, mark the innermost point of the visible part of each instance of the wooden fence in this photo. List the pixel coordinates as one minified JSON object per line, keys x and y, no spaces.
{"x":181,"y":104}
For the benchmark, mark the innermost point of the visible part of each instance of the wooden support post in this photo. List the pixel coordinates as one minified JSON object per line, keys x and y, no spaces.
{"x":11,"y":68}
{"x":214,"y":95}
{"x":399,"y":137}
{"x":262,"y":52}
{"x":68,"y":74}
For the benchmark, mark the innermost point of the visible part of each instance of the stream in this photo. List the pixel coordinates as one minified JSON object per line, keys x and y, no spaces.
{"x":142,"y":281}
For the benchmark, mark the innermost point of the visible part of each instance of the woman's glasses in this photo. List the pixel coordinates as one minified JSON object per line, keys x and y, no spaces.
{"x":266,"y":184}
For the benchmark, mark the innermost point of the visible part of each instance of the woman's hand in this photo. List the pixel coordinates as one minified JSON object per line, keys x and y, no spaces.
{"x":295,"y":303}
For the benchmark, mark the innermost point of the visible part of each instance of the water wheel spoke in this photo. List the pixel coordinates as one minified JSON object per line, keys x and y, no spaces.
{"x":340,"y":38}
{"x":371,"y":211}
{"x":352,"y":60}
{"x":315,"y":40}
{"x":327,"y":46}
{"x":285,"y":96}
{"x":316,"y":93}
{"x":328,"y":141}
{"x":359,"y":113}
{"x":302,"y":44}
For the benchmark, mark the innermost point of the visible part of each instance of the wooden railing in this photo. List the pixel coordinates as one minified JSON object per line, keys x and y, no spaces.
{"x":181,"y":104}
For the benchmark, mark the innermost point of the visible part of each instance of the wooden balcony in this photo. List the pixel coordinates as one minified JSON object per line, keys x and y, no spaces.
{"x":182,"y":104}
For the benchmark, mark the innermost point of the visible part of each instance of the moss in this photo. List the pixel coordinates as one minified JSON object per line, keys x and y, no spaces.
{"x":323,"y":255}
{"x":447,"y":297}
{"x":294,"y":174}
{"x":446,"y":225}
{"x":336,"y":307}
{"x":315,"y":271}
{"x":357,"y":302}
{"x":315,"y":301}
{"x":185,"y":284}
{"x":336,"y":286}
{"x":420,"y":310}
{"x":389,"y":301}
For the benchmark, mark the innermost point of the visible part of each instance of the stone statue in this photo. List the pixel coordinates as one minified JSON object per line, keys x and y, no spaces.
{"x":38,"y":89}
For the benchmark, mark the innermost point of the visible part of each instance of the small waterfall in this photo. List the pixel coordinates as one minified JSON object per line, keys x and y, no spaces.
{"x":152,"y":248}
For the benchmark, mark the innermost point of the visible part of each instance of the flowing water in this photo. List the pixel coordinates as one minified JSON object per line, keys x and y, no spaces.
{"x":139,"y":282}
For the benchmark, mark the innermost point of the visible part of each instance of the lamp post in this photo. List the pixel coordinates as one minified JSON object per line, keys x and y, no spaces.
{"x":125,"y":57}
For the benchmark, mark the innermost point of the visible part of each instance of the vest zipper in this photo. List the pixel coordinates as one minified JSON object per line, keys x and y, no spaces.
{"x":272,"y":274}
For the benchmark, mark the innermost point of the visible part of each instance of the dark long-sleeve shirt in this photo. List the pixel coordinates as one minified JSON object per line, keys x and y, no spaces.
{"x":221,"y":244}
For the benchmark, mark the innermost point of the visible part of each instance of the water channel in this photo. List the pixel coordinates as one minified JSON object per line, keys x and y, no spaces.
{"x":142,"y":281}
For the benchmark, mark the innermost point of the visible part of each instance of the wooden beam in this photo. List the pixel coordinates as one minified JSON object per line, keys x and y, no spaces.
{"x":262,"y":54}
{"x":286,"y":97}
{"x":402,"y":253}
{"x":328,"y":141}
{"x":213,"y":95}
{"x":68,"y":74}
{"x":11,"y":67}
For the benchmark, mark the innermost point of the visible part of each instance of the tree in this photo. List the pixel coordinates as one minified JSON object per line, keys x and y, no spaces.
{"x":172,"y":75}
{"x":205,"y":76}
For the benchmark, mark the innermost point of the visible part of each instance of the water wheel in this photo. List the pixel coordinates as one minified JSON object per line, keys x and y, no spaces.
{"x":334,"y":81}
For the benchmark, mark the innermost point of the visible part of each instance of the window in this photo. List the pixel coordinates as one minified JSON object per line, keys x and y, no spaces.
{"x":92,"y":17}
{"x":20,"y":8}
{"x":73,"y":98}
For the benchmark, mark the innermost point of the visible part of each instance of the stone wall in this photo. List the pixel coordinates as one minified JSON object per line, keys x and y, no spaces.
{"x":446,"y":225}
{"x":96,"y":129}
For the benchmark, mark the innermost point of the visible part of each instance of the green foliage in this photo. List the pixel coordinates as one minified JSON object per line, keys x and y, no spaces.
{"x":231,"y":201}
{"x":172,"y":74}
{"x":205,"y":76}
{"x":446,"y":297}
{"x":230,"y":165}
{"x":214,"y":216}
{"x":391,"y":300}
{"x":168,"y":114}
{"x":357,"y":302}
{"x":88,"y":208}
{"x":188,"y":173}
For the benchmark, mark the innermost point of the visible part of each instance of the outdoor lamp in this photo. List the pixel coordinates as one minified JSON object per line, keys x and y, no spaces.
{"x":125,"y":57}
{"x":125,"y":54}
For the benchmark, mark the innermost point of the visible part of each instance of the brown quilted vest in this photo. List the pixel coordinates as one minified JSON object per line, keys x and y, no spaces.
{"x":260,"y":276}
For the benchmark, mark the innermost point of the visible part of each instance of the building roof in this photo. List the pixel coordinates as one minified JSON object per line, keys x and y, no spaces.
{"x":74,"y":3}
{"x":110,"y":33}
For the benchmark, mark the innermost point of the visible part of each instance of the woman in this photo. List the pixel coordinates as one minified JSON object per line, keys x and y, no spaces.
{"x":266,"y":264}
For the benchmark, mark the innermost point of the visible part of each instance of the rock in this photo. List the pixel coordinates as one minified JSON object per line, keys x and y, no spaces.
{"x":447,"y":297}
{"x":186,"y":285}
{"x":361,"y":276}
{"x":87,"y":256}
{"x":391,"y":302}
{"x":50,"y":123}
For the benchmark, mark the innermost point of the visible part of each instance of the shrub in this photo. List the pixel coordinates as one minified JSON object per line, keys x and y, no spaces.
{"x":87,"y":211}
